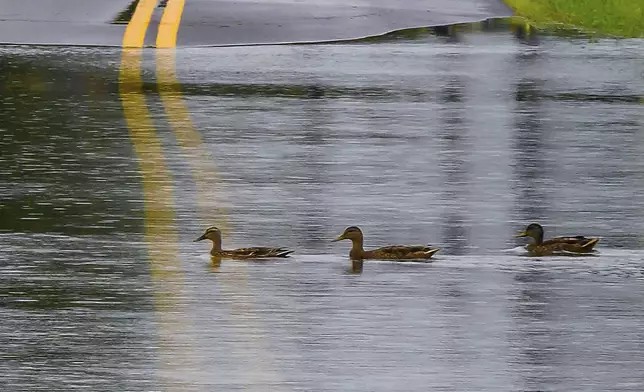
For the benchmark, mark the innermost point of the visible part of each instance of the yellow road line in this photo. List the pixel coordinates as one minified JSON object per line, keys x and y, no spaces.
{"x":159,"y":213}
{"x":134,"y":36}
{"x":169,"y":25}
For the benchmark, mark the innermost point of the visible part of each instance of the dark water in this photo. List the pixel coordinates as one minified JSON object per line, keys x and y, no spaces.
{"x":108,"y":174}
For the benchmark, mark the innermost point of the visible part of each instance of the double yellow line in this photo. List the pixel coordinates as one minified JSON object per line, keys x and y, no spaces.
{"x":134,"y":36}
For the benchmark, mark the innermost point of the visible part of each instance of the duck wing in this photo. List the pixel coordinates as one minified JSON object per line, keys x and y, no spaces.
{"x":257,"y":252}
{"x":577,"y":242}
{"x":402,"y":252}
{"x":565,"y":246}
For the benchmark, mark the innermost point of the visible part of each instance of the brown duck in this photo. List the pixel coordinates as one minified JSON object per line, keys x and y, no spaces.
{"x":396,"y":252}
{"x":558,"y":246}
{"x":214,"y":234}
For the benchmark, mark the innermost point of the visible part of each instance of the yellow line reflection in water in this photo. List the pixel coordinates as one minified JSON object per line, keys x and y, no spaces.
{"x":159,"y":213}
{"x":169,"y":25}
{"x":202,"y":167}
{"x":134,"y":36}
{"x":233,"y":285}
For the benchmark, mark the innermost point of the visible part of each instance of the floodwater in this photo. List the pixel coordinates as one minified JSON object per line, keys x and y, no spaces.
{"x":111,"y":164}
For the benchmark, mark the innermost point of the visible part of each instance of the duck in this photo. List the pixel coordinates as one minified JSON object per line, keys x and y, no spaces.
{"x":214,"y":234}
{"x":396,"y":252}
{"x":558,"y":246}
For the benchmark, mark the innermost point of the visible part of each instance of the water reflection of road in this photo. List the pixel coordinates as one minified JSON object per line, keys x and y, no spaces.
{"x":175,"y":333}
{"x":309,"y":170}
{"x":453,"y":153}
{"x":533,"y":309}
{"x":254,"y":352}
{"x":530,"y":145}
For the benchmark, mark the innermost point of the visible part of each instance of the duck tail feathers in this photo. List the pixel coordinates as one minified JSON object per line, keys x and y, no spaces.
{"x":592,"y":242}
{"x":283,"y":253}
{"x":431,"y":252}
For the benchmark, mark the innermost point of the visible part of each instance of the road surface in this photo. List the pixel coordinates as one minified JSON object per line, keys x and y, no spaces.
{"x":221,"y":22}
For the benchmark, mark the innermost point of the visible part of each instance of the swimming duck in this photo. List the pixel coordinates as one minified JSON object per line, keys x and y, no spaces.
{"x":396,"y":252}
{"x":557,"y":246}
{"x":214,"y":234}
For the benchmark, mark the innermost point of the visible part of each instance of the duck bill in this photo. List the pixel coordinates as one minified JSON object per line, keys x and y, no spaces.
{"x":203,"y":237}
{"x":521,"y":234}
{"x":340,"y":238}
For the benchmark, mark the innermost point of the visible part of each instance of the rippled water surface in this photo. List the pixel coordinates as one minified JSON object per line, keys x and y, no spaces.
{"x":111,"y":164}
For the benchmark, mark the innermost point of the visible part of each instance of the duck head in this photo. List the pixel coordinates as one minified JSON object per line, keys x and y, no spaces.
{"x":350,"y":233}
{"x":212,"y":233}
{"x":534,"y":230}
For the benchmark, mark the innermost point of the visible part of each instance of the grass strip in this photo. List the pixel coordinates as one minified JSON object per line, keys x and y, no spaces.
{"x":617,"y":18}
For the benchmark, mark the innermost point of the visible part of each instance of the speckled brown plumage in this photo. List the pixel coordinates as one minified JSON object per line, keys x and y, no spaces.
{"x":214,"y":234}
{"x":558,"y":246}
{"x":396,"y":252}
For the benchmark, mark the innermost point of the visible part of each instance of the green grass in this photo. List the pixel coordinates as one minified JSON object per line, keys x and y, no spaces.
{"x":620,"y":18}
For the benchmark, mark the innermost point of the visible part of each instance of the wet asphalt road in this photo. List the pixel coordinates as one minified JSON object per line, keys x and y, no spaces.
{"x":76,"y":22}
{"x":215,"y":22}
